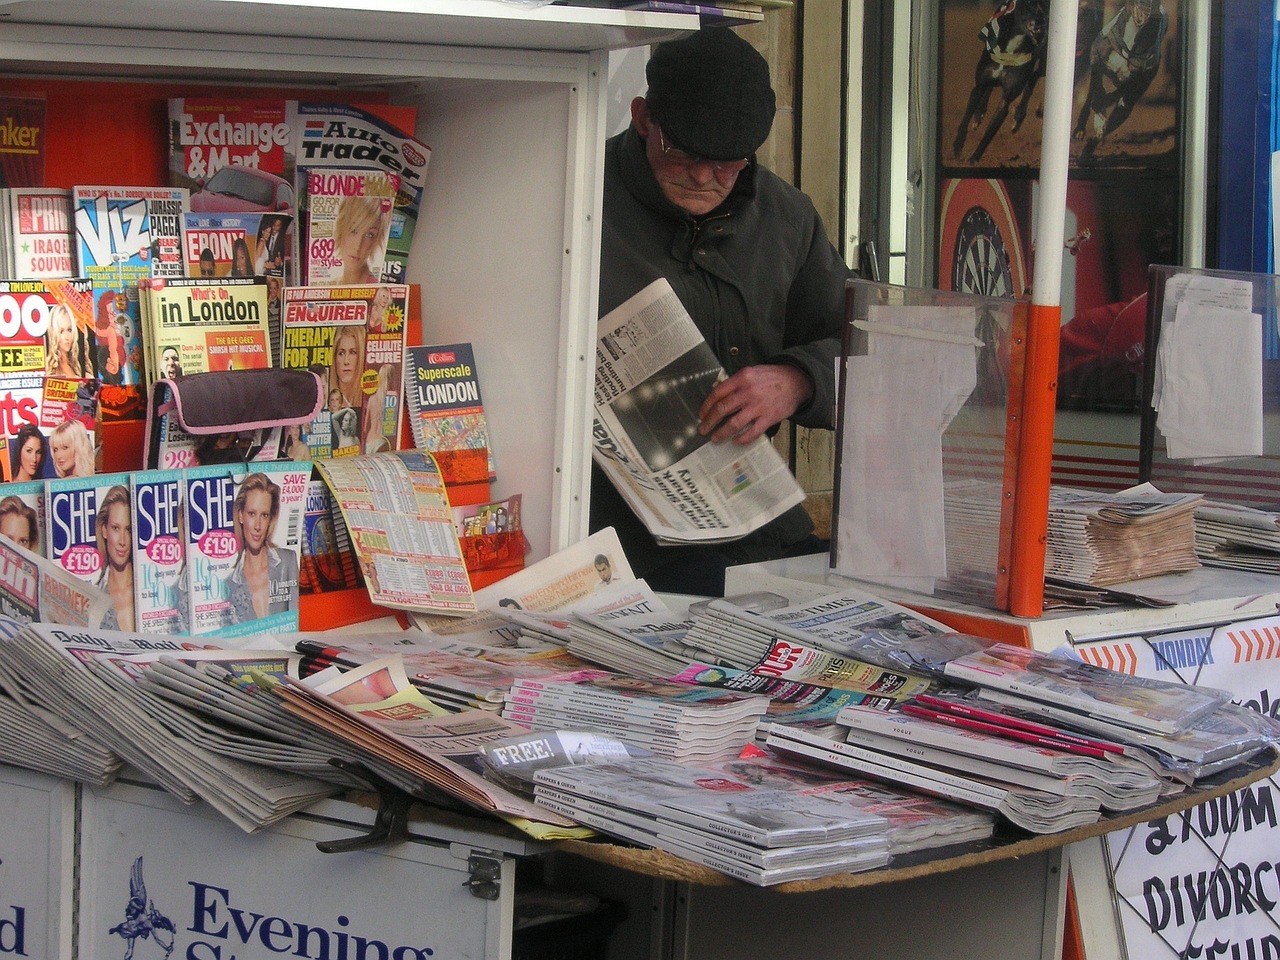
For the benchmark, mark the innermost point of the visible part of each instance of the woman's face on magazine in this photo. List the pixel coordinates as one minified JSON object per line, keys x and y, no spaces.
{"x":255,"y":520}
{"x":15,"y":526}
{"x":29,"y":458}
{"x":119,"y":536}
{"x":63,"y":452}
{"x":345,"y":359}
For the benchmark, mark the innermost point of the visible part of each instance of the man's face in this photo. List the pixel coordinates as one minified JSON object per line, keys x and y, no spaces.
{"x":603,"y":570}
{"x":693,"y":184}
{"x":171,"y":366}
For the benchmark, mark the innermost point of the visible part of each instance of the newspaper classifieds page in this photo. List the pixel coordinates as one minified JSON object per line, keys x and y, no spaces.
{"x":401,"y":525}
{"x":653,"y":370}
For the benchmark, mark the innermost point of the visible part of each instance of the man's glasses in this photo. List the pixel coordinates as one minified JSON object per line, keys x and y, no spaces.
{"x":676,"y":155}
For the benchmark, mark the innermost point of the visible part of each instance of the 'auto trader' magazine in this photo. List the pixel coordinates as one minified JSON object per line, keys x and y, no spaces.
{"x":653,"y":370}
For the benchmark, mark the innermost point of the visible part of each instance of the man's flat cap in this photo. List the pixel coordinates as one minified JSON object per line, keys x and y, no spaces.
{"x":710,"y":94}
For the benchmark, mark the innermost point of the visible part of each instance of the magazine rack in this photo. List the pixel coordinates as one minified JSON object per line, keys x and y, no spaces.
{"x":929,"y":430}
{"x":1239,"y":383}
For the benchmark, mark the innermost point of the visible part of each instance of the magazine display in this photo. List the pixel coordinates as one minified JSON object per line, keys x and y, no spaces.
{"x":916,"y":821}
{"x":243,"y":541}
{"x":653,"y":370}
{"x":791,"y":703}
{"x":354,"y":338}
{"x":211,"y":546}
{"x":234,"y":244}
{"x":36,"y":233}
{"x":1151,"y":705}
{"x":22,"y":517}
{"x":451,"y":677}
{"x":1218,"y":740}
{"x":396,"y":510}
{"x":209,"y":324}
{"x":328,"y":562}
{"x":46,"y":379}
{"x":851,"y":622}
{"x":372,"y":138}
{"x":1114,"y":782}
{"x":446,"y":412}
{"x":671,"y":720}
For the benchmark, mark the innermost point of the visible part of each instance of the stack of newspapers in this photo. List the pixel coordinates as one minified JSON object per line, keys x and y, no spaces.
{"x":672,"y":720}
{"x":641,"y":643}
{"x":37,"y":738}
{"x":1243,"y":538}
{"x":759,"y":834}
{"x":91,"y":680}
{"x":1101,"y":539}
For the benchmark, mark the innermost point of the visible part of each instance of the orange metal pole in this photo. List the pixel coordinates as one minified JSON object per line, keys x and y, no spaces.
{"x":1031,"y":503}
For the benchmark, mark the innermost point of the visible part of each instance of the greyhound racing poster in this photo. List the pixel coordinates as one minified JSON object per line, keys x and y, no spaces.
{"x":991,"y":90}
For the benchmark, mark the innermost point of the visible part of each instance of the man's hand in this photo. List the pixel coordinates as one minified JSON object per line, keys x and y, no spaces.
{"x":751,"y":401}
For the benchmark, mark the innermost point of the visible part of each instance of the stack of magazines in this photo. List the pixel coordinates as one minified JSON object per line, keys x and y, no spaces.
{"x":1045,"y":741}
{"x":672,"y":720}
{"x":837,"y":641}
{"x":452,"y":675}
{"x":1035,"y":811}
{"x":1188,"y":732}
{"x":759,"y":834}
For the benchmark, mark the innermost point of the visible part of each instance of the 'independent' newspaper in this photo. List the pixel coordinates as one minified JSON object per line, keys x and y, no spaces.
{"x":653,"y":370}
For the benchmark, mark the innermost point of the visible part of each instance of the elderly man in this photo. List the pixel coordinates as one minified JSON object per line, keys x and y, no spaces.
{"x":747,"y":254}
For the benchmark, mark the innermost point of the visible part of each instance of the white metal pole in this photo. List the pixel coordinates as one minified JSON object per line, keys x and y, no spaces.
{"x":1055,"y":152}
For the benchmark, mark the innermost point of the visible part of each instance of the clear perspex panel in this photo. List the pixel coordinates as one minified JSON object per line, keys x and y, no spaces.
{"x":925,"y":458}
{"x":1211,"y":416}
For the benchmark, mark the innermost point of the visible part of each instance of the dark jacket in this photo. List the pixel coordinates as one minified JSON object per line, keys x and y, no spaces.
{"x":762,"y":282}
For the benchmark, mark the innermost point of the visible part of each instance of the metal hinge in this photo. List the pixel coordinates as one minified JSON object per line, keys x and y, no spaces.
{"x":485,"y":871}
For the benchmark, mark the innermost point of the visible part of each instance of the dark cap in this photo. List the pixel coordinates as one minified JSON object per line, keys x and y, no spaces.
{"x":710,"y":94}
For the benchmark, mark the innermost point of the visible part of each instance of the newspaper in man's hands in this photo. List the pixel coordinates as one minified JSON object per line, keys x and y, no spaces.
{"x":653,"y":370}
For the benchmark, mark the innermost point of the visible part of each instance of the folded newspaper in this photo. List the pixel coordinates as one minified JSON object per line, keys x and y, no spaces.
{"x":653,"y":370}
